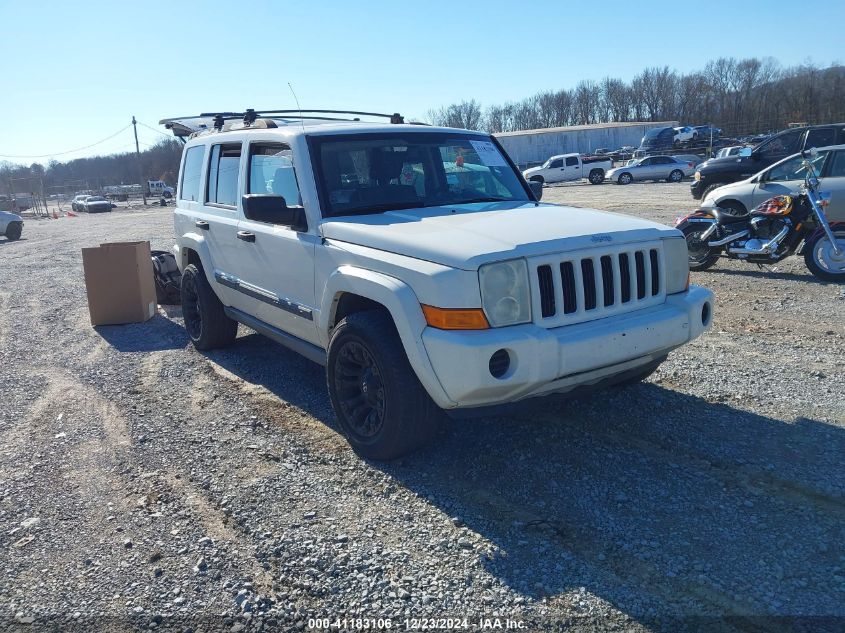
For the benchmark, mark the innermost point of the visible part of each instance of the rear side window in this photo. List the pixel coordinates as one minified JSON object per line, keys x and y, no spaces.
{"x":191,"y":173}
{"x":837,"y":167}
{"x":271,"y":171}
{"x":571,"y":161}
{"x":821,"y":137}
{"x":223,"y":174}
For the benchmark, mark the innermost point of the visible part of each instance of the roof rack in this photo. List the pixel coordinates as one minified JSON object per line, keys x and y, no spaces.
{"x":181,"y":126}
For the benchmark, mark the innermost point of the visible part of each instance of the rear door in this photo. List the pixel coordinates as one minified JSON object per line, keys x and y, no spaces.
{"x":277,"y":262}
{"x":834,"y":182}
{"x":572,"y":167}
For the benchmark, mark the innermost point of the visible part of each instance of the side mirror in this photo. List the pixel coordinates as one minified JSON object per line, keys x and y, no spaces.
{"x":745,"y":152}
{"x":273,"y":209}
{"x":536,"y":189}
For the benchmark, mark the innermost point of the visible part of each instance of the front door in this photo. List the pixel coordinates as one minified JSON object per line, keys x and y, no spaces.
{"x":555,"y":171}
{"x":785,"y":178}
{"x":276,"y":263}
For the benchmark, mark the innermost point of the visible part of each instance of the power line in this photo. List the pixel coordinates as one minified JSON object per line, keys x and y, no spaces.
{"x":71,"y":151}
{"x":149,"y":127}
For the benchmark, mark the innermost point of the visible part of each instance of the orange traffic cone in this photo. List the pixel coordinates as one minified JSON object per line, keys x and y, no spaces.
{"x":70,"y":214}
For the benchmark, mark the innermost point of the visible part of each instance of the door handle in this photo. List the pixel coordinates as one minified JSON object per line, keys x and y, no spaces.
{"x":246,"y":236}
{"x":201,"y":224}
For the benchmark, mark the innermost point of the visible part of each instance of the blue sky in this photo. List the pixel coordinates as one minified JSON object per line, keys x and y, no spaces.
{"x":73,"y":73}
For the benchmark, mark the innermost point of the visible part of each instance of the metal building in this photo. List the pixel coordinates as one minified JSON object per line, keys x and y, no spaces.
{"x":532,"y":147}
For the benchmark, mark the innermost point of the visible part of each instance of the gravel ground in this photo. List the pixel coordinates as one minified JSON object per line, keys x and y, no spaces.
{"x":146,"y":485}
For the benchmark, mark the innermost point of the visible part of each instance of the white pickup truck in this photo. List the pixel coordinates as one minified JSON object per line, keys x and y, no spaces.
{"x":420,"y":268}
{"x":569,"y":168}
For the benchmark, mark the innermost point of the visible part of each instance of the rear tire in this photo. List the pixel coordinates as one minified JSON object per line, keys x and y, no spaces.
{"x":596,"y":177}
{"x":205,"y":318}
{"x":377,"y":398}
{"x":822,"y":261}
{"x":676,"y":175}
{"x":13,"y":231}
{"x":701,"y":256}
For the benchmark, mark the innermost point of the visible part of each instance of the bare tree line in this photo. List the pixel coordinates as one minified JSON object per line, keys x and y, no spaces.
{"x":161,"y":161}
{"x":742,"y":96}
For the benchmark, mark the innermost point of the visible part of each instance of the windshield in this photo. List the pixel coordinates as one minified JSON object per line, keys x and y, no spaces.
{"x":96,"y":199}
{"x":371,"y":173}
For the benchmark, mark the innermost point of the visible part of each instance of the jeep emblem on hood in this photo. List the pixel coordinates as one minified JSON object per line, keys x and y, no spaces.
{"x":601,"y":237}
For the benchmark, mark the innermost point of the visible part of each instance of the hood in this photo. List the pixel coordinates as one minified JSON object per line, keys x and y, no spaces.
{"x":469,"y":235}
{"x":732,"y":163}
{"x":532,"y":170}
{"x":10,"y":217}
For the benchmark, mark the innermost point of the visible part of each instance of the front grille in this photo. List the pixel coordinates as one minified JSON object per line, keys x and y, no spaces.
{"x":598,"y":283}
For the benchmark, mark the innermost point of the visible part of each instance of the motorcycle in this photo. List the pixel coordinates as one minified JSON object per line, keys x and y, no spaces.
{"x":777,"y":228}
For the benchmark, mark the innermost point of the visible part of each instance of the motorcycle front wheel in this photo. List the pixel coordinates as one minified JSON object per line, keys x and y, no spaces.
{"x":701,"y":256}
{"x":822,"y":260}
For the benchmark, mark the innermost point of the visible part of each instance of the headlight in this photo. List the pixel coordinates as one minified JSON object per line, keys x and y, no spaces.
{"x":697,"y":175}
{"x":677,"y":264}
{"x":504,"y":292}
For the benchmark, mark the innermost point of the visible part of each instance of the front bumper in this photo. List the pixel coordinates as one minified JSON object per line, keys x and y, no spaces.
{"x":561,"y":359}
{"x":696,"y":188}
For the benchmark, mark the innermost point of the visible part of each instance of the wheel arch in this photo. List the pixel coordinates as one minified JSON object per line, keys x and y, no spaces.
{"x":350,"y":289}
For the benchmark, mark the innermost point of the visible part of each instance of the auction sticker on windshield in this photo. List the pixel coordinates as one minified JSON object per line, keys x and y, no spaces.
{"x":488,"y":153}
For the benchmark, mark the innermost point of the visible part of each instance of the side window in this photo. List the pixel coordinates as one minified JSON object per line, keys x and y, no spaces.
{"x":271,"y":171}
{"x":821,"y":137}
{"x":646,"y":161}
{"x":223,"y":174}
{"x":557,"y":162}
{"x":837,"y":167}
{"x":192,"y":173}
{"x":793,"y":169}
{"x":782,"y":144}
{"x":571,"y":161}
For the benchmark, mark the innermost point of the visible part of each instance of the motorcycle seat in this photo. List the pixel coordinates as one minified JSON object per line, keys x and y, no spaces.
{"x":729,"y":216}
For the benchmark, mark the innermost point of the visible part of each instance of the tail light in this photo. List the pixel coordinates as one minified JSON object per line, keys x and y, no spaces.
{"x":690,"y":165}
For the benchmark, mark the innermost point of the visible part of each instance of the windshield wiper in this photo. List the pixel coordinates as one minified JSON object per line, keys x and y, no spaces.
{"x":489,"y":199}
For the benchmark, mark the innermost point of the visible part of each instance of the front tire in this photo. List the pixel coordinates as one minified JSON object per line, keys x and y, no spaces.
{"x":596,"y":177}
{"x":379,"y":402}
{"x":701,"y":256}
{"x":822,"y":261}
{"x":625,"y":179}
{"x":539,"y":179}
{"x":205,"y":318}
{"x":13,"y":231}
{"x":676,"y":175}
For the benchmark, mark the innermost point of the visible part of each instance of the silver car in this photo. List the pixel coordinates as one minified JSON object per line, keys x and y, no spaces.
{"x":11,"y":225}
{"x":666,"y":168}
{"x":785,"y":178}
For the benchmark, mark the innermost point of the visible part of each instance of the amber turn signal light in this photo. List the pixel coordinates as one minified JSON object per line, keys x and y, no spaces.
{"x":455,"y":319}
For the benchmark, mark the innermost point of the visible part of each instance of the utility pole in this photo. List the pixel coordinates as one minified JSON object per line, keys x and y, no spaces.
{"x":138,"y":154}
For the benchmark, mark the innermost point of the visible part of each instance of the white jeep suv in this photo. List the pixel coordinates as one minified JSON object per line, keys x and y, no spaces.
{"x":417,"y":265}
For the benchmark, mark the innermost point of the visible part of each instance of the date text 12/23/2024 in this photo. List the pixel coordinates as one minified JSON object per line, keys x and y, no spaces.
{"x":416,"y":624}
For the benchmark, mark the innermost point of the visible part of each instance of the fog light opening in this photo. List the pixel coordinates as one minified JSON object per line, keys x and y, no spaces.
{"x":705,"y":314}
{"x":500,"y":363}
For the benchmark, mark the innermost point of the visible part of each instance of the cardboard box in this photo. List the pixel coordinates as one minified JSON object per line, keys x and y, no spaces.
{"x":119,"y":282}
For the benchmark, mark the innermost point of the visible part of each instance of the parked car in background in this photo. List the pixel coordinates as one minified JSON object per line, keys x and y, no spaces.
{"x":733,"y":150}
{"x":722,"y":171}
{"x":96,"y":204}
{"x":786,"y":178}
{"x":11,"y":225}
{"x":685,"y":134}
{"x":657,"y":140}
{"x":78,"y":201}
{"x":652,"y":168}
{"x":569,"y":168}
{"x":703,"y":132}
